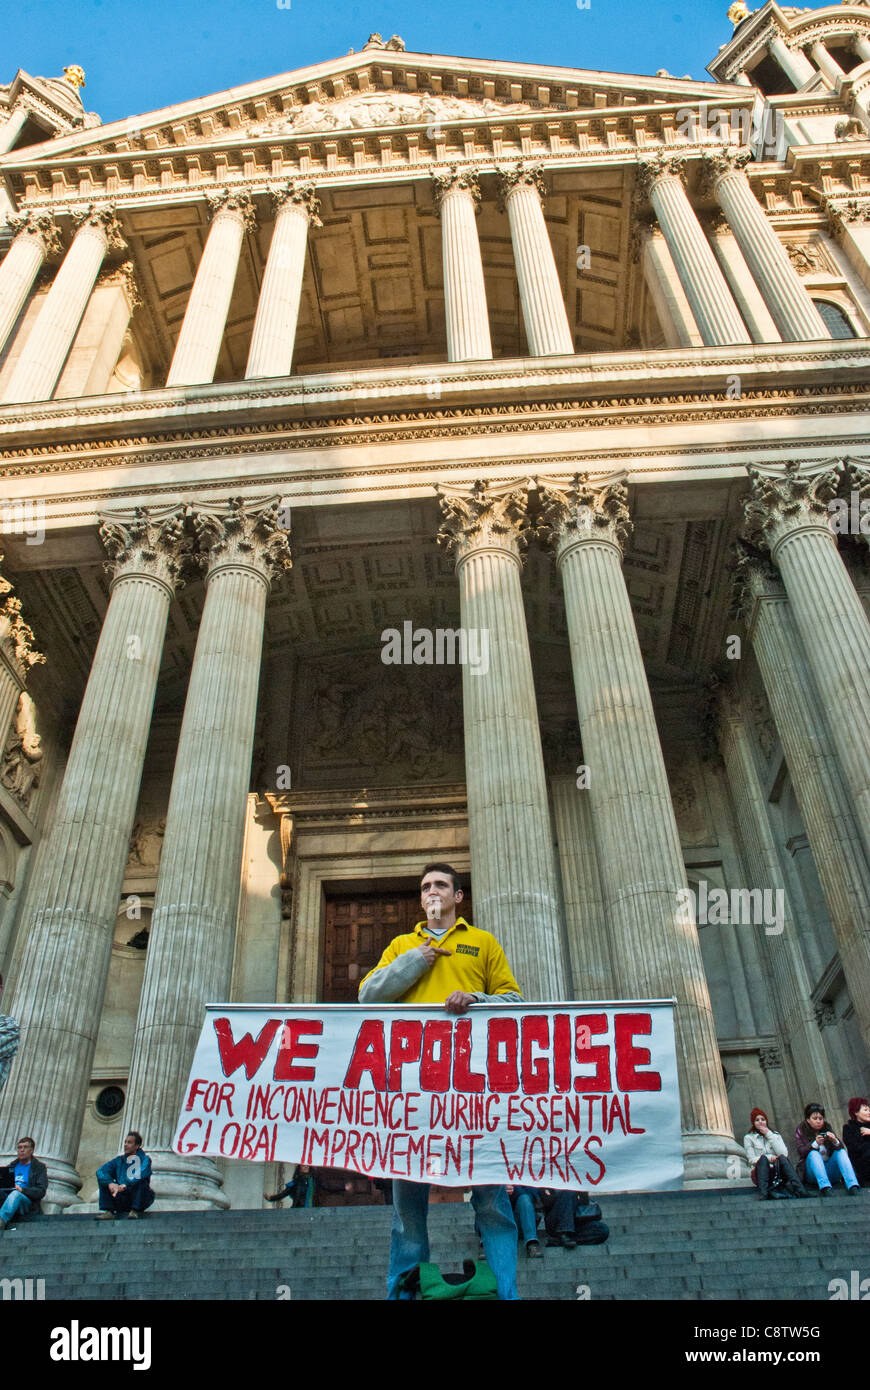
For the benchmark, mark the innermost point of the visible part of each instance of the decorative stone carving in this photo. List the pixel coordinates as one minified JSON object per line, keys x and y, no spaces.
{"x":752,"y":573}
{"x":39,"y":225}
{"x":394,"y":43}
{"x":446,"y":183}
{"x":719,"y":163}
{"x":852,"y":210}
{"x":660,"y":166}
{"x":300,"y":194}
{"x":374,"y":110}
{"x":23,"y":754}
{"x":20,"y":635}
{"x":509,"y":179}
{"x":241,"y":533}
{"x":229,"y":200}
{"x":583,"y":510}
{"x":781,"y":501}
{"x":146,"y":842}
{"x":123,"y":274}
{"x":484,"y":514}
{"x":102,"y":218}
{"x":852,"y":128}
{"x":825,"y":1013}
{"x":769,"y":1058}
{"x":807,"y":260}
{"x":149,"y":539}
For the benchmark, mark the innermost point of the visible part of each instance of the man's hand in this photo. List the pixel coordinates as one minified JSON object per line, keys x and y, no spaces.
{"x":18,"y":1187}
{"x":761,"y":1126}
{"x":113,"y":1189}
{"x":430,"y":952}
{"x":458,"y":1002}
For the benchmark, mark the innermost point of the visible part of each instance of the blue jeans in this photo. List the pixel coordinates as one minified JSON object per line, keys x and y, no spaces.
{"x":16,"y":1204}
{"x":524,"y":1213}
{"x":409,"y":1238}
{"x":838,"y":1165}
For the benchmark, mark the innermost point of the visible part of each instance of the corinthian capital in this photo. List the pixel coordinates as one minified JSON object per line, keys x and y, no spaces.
{"x":148,"y":540}
{"x":248,"y":534}
{"x":231,"y":200}
{"x":17,"y":632}
{"x":101,"y":218}
{"x":483,"y":516}
{"x":788,"y":500}
{"x":452,"y":180}
{"x":753,"y":576}
{"x":521,"y":175}
{"x":852,"y":210}
{"x":660,"y":166}
{"x":716,"y":164}
{"x":582,"y":510}
{"x":301,"y":195}
{"x":38,"y":225}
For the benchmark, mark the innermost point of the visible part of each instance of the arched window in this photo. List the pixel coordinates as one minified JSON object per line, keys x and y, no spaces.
{"x":835,"y":319}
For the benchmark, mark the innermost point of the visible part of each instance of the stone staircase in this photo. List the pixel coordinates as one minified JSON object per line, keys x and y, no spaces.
{"x":683,"y":1245}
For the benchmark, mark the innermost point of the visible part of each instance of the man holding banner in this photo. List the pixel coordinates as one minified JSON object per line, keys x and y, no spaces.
{"x":472,"y":969}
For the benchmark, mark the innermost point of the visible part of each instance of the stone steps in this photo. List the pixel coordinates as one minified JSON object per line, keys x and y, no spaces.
{"x":686,"y":1246}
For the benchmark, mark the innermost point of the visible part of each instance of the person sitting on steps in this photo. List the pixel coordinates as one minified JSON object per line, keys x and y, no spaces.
{"x":821,"y":1153}
{"x":124,"y":1182}
{"x":767,"y":1156}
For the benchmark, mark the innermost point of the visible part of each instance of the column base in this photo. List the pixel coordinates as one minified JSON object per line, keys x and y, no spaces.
{"x":713,"y":1160}
{"x":185,"y":1183}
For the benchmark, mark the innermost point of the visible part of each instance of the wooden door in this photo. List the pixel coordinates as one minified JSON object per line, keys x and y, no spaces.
{"x":358,"y":927}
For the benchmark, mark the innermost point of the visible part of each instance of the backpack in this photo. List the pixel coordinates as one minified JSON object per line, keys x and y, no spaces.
{"x":477,"y":1281}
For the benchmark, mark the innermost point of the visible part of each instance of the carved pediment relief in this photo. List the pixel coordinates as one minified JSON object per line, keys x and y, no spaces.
{"x":378,"y":109}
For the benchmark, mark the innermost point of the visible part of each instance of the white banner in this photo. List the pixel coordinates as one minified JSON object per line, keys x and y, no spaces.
{"x":547,"y":1095}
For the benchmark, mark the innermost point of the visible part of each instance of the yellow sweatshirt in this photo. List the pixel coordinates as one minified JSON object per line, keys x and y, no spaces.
{"x":476,"y":964}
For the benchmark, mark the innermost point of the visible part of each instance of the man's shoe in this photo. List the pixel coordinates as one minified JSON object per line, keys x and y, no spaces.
{"x":569,"y":1241}
{"x":825,"y":1191}
{"x":853,"y":1191}
{"x":135,"y":1215}
{"x":277,"y":1197}
{"x":533,"y":1250}
{"x":764,"y":1196}
{"x":105,"y":1216}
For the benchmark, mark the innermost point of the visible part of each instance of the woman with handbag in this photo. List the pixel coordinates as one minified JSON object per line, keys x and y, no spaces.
{"x":767,"y":1155}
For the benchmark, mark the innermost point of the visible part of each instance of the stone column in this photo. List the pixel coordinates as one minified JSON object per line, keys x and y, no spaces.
{"x":788,"y":512}
{"x":457,"y":198}
{"x":547,"y":329}
{"x":98,"y":344}
{"x":794,"y":63}
{"x":749,"y":299}
{"x":585,"y":919}
{"x":36,"y":238}
{"x":12,"y":128}
{"x":70,"y":912}
{"x":791,"y":307}
{"x":199,"y":342}
{"x":861,"y":44}
{"x":826,"y":63}
{"x":655,"y":950}
{"x":709,"y":297}
{"x":190,"y":951}
{"x":816,"y":774}
{"x":513,"y":866}
{"x":274,"y":336}
{"x":42,"y":358}
{"x":668,"y":295}
{"x":792,"y":985}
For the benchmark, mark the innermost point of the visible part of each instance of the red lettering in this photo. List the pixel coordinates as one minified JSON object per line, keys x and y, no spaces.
{"x":631,"y":1130}
{"x":629,"y":1058}
{"x":187,"y":1148}
{"x":514,"y":1171}
{"x":502,"y":1073}
{"x":464,"y":1079}
{"x":248,"y":1052}
{"x":406,"y":1041}
{"x":291,"y":1048}
{"x":584,"y":1026}
{"x":369,"y":1055}
{"x":435,"y":1071}
{"x":246,"y":1148}
{"x":536,"y":1070}
{"x":593,"y":1139}
{"x":562,"y":1052}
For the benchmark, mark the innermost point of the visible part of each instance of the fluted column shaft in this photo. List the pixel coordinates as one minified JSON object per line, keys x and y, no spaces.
{"x":710,"y":299}
{"x":21,"y":265}
{"x":799,"y":713}
{"x":199,"y":342}
{"x":789,"y":511}
{"x":793,"y":62}
{"x":12,"y":128}
{"x":42,"y":358}
{"x":655,"y":953}
{"x":748,"y":297}
{"x":274,"y":335}
{"x":792,"y":985}
{"x":513,"y":866}
{"x":669,"y":297}
{"x":827,"y":63}
{"x":464,"y":291}
{"x":190,"y":950}
{"x":71,"y":910}
{"x":541,"y":297}
{"x":862,"y":47}
{"x":791,"y":307}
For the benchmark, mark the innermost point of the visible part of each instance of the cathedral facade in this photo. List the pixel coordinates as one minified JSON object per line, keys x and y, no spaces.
{"x":412,"y":457}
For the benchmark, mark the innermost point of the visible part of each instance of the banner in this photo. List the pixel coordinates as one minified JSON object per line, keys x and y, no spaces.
{"x":546,"y":1095}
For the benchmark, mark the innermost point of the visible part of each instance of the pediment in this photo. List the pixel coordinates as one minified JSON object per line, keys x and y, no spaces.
{"x":379,"y":89}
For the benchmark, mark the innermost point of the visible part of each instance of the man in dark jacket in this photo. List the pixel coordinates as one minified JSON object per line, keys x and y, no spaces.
{"x":23,"y":1184}
{"x":124,"y":1182}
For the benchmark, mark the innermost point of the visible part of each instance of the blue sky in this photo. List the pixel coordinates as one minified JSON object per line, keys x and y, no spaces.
{"x":140,"y":56}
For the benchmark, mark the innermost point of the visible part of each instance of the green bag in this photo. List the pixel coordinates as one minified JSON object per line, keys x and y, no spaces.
{"x":477,"y":1281}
